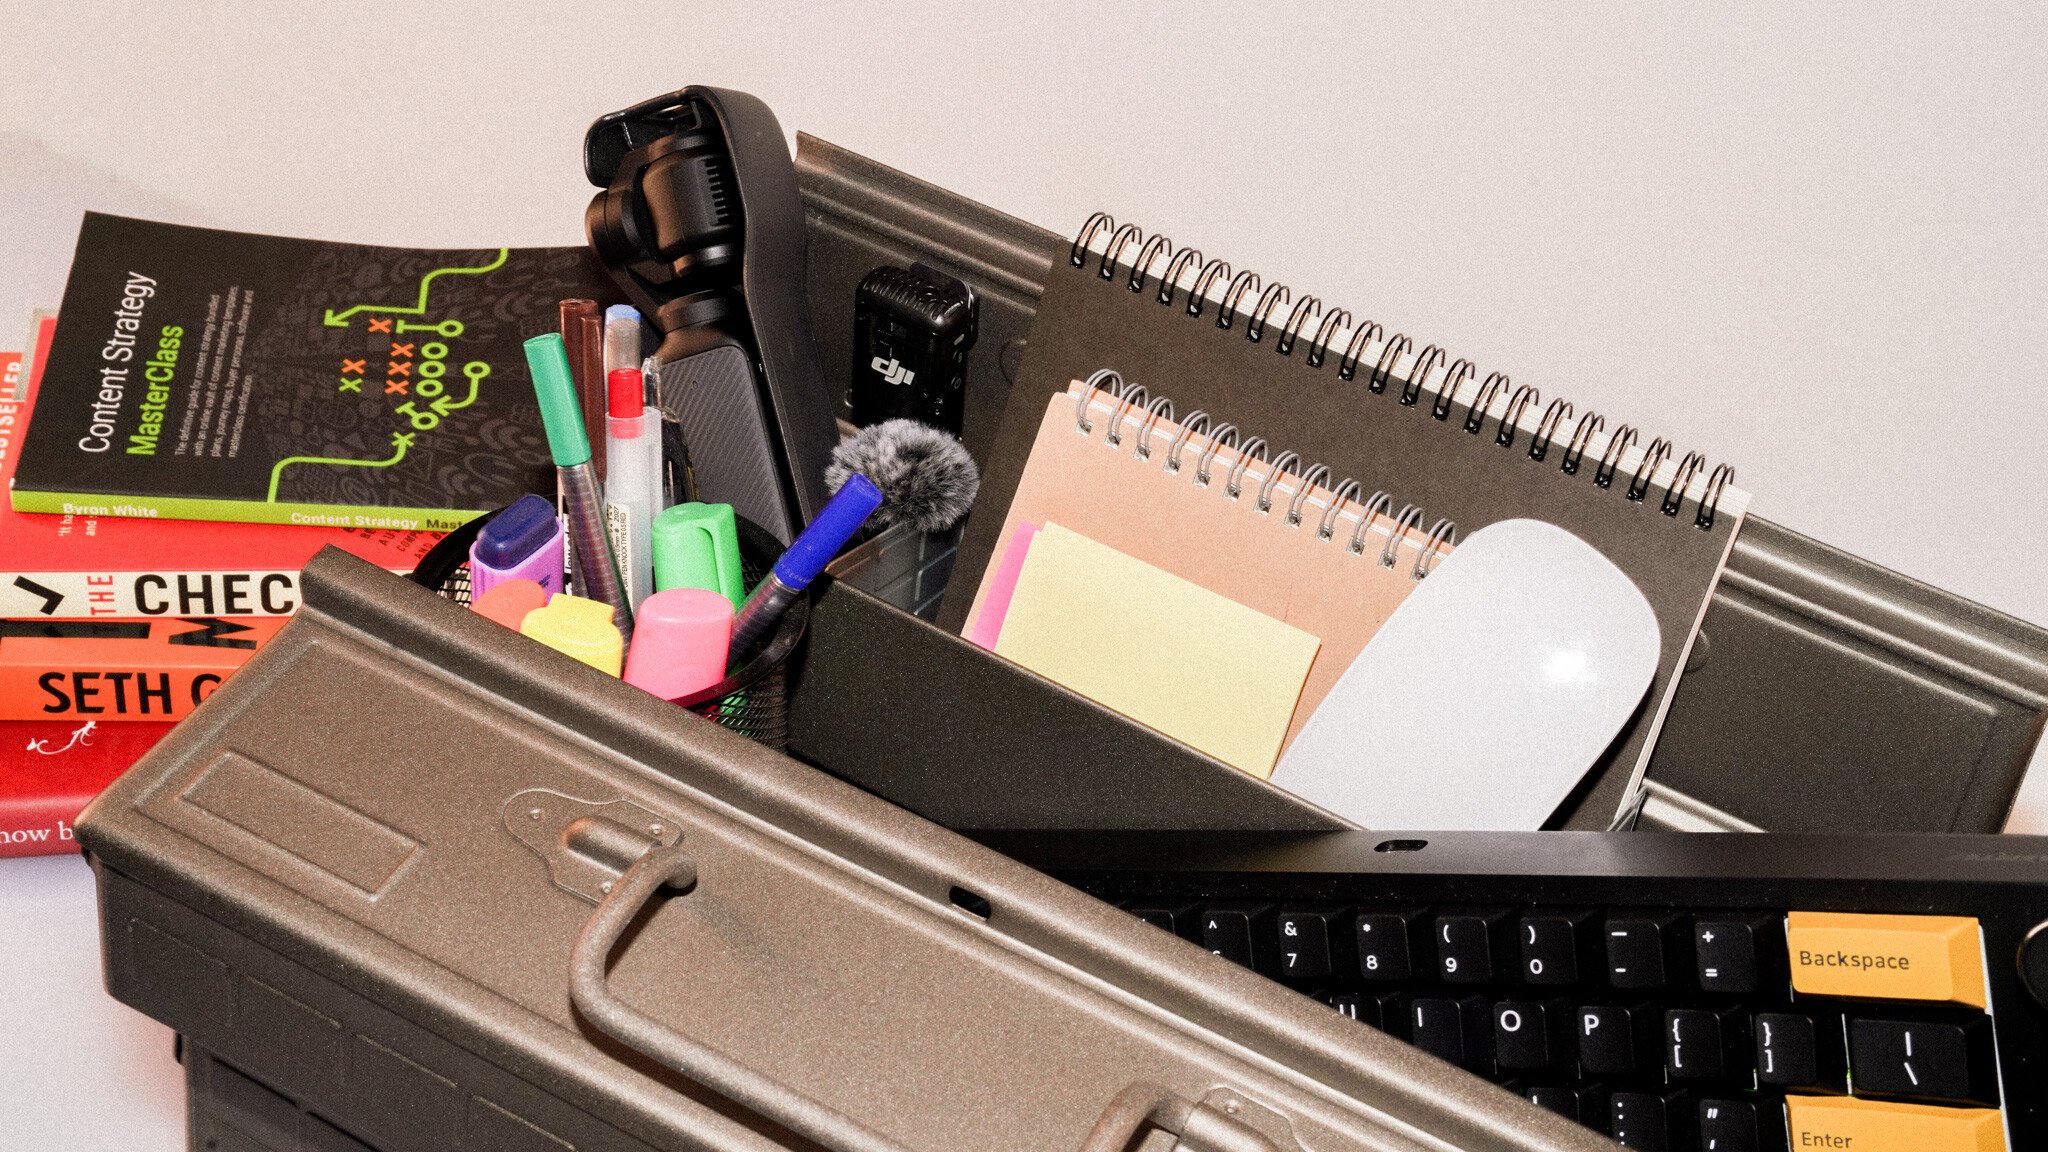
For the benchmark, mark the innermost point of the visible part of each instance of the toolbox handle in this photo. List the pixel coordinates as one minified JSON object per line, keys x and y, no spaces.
{"x":669,"y":866}
{"x":591,"y":993}
{"x":1197,"y":1125}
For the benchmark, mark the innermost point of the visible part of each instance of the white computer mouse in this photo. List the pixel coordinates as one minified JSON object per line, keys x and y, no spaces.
{"x":1488,"y":694}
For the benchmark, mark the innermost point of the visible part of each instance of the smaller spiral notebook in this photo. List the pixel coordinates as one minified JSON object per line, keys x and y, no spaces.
{"x":1386,"y":410}
{"x":1214,"y":505}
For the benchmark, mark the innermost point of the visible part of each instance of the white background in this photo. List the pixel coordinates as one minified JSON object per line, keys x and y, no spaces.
{"x":1812,"y":241}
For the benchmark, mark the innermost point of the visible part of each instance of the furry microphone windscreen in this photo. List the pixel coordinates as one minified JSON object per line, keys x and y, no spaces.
{"x":928,"y":480}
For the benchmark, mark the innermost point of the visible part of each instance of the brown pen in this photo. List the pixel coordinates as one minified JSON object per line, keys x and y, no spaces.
{"x":583,"y":338}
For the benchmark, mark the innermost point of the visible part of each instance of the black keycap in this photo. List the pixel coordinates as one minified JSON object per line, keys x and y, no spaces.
{"x":1233,"y":932}
{"x":1737,"y":1126}
{"x":1183,"y":920}
{"x":1585,"y":1103}
{"x":1156,"y":917}
{"x":1616,"y":1041}
{"x":1392,"y":1008}
{"x":1454,"y":1030}
{"x":1552,"y":944}
{"x":1594,"y":1109}
{"x":1473,"y":947}
{"x":1229,"y":935}
{"x":1641,"y":949}
{"x":1304,"y":945}
{"x":1655,"y":1121}
{"x":1800,"y":1051}
{"x":1390,"y":944}
{"x":1916,"y":1058}
{"x":1386,"y":1012}
{"x":1702,"y":1044}
{"x":1529,"y":1035}
{"x":1554,"y":1098}
{"x":1734,"y":953}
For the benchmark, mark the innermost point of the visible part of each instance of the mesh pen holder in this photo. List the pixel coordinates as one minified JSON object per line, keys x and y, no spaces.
{"x":752,"y":700}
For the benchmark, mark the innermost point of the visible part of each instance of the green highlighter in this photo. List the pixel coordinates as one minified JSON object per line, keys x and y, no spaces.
{"x":698,"y":546}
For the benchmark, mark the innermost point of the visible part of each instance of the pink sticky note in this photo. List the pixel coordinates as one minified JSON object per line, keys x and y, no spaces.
{"x":995,"y":604}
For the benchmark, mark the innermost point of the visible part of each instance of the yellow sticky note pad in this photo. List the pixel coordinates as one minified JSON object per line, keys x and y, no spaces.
{"x":1164,"y":651}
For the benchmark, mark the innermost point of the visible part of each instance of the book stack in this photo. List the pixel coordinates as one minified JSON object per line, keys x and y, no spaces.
{"x":206,"y":411}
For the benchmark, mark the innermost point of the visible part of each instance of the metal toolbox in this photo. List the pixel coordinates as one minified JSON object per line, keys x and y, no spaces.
{"x":410,"y":881}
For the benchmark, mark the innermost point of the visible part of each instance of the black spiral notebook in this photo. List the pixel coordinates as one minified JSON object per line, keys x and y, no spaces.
{"x":1378,"y":408}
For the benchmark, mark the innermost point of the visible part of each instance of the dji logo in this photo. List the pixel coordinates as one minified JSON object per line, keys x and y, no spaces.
{"x":891,"y":371}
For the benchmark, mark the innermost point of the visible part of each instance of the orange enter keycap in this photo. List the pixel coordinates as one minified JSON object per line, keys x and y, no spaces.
{"x":1838,"y":1122}
{"x":1886,"y":957}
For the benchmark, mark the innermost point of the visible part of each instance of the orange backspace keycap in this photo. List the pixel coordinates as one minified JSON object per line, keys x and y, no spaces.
{"x":1936,"y":958}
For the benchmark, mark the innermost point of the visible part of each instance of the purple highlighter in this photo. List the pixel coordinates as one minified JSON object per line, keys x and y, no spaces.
{"x":524,"y":542}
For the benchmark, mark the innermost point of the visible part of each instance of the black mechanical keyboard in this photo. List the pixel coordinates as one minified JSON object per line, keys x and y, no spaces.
{"x":1719,"y":993}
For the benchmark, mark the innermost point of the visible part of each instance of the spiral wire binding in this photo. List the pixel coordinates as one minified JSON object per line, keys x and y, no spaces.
{"x":1245,"y":295}
{"x":1130,"y":402}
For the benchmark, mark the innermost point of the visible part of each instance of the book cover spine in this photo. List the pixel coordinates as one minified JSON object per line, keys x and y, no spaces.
{"x":83,"y":595}
{"x":40,"y":825}
{"x":120,"y":670}
{"x":243,"y":511}
{"x":104,"y":693}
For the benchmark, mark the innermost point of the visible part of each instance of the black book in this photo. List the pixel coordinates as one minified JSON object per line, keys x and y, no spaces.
{"x":206,"y":375}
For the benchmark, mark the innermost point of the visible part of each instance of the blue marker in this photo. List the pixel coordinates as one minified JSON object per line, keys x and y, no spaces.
{"x":807,"y":556}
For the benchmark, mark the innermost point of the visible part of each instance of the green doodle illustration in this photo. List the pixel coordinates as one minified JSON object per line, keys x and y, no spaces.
{"x":400,"y":441}
{"x":447,"y":329}
{"x":334,"y":319}
{"x":441,"y":405}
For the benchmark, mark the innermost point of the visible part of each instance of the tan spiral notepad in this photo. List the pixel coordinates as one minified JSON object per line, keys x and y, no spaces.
{"x":1118,"y":469}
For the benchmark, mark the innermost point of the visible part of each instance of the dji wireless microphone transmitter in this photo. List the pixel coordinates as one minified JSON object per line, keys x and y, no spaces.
{"x":912,"y":330}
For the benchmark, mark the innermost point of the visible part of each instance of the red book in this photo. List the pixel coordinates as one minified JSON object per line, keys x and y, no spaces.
{"x":51,"y":769}
{"x":71,"y":566}
{"x":121,"y":670}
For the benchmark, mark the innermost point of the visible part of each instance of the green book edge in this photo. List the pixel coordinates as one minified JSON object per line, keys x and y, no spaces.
{"x":243,"y":511}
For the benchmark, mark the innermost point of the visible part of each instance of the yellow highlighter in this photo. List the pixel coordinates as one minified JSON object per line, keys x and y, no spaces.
{"x":578,"y":627}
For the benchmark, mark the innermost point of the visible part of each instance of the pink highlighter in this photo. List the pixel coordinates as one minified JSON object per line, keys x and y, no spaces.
{"x":680,"y":638}
{"x":524,"y":542}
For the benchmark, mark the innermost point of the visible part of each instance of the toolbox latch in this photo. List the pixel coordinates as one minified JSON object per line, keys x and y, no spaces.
{"x":588,"y":844}
{"x":1231,"y":1105}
